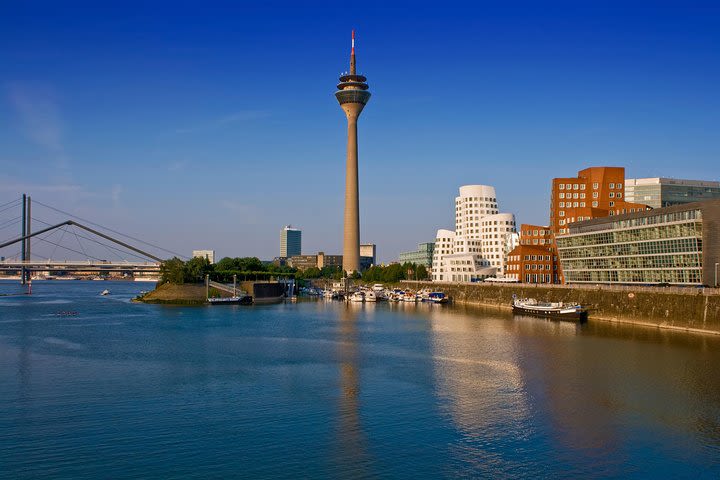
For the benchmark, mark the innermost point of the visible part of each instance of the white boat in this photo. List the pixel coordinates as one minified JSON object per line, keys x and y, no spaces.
{"x":410,"y":297}
{"x":357,"y":297}
{"x":370,"y":296}
{"x":105,"y":292}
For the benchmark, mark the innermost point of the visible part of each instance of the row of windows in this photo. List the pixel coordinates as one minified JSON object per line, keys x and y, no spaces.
{"x":581,"y":186}
{"x":684,"y":260}
{"x":690,"y":276}
{"x":678,"y":230}
{"x":628,"y":249}
{"x":660,"y":218}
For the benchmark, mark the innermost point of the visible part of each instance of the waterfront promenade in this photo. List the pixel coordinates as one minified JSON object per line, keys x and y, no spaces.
{"x":679,"y":308}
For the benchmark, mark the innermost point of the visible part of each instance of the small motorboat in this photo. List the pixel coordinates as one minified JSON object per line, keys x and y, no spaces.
{"x":105,"y":292}
{"x":357,"y":297}
{"x":370,"y":296}
{"x":559,"y":310}
{"x":438,"y":297}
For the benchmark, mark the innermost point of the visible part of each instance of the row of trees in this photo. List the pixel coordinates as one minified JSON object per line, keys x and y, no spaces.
{"x":251,"y":268}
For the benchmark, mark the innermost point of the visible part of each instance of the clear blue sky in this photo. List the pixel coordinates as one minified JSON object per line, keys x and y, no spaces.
{"x":211,"y":125}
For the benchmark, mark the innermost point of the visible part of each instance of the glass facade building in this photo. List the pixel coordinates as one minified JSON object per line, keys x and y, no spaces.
{"x":676,"y":245}
{"x":422,"y":256}
{"x":665,"y":192}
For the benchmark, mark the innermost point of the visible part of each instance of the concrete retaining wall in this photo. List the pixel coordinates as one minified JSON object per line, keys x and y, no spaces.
{"x":677,"y":308}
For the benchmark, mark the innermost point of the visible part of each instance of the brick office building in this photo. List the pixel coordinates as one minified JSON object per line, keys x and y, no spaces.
{"x":596,"y":192}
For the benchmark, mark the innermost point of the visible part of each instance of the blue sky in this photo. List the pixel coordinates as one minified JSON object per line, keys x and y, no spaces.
{"x":211,"y":125}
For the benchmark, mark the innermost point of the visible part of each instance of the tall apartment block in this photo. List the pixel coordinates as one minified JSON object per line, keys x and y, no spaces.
{"x":290,"y":242}
{"x":475,"y":250}
{"x":664,"y":192}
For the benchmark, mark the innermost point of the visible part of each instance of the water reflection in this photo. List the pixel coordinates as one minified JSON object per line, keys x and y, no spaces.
{"x":478,"y":377}
{"x":351,"y":445}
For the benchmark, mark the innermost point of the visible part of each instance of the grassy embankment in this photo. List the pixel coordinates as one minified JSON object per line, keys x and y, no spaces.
{"x":187,"y":294}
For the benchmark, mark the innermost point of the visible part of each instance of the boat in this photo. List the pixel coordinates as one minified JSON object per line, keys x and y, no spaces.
{"x":410,"y":297}
{"x":560,"y":310}
{"x":105,"y":292}
{"x":242,"y":300}
{"x":357,"y":297}
{"x":438,"y":297}
{"x":370,"y":296}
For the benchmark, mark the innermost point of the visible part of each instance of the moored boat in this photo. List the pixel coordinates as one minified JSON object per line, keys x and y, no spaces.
{"x":559,"y":310}
{"x":243,"y":300}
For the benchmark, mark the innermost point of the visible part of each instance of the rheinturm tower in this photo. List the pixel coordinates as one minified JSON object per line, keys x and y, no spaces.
{"x":352,"y":94}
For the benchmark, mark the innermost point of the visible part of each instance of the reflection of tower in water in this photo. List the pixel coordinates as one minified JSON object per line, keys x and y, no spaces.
{"x":351,"y":441}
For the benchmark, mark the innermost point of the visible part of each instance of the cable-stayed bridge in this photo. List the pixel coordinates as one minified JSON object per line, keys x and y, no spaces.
{"x":72,"y":246}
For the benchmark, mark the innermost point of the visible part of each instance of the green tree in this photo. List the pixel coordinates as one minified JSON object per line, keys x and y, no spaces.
{"x":172,"y":271}
{"x":196,"y":269}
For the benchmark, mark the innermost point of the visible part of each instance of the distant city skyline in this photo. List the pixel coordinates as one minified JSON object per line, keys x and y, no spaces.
{"x":180,"y":124}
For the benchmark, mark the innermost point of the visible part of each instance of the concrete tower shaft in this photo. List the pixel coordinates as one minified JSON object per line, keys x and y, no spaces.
{"x":352,"y":94}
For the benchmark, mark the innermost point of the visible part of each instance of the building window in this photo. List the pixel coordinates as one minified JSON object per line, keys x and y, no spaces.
{"x":562,"y":213}
{"x":596,"y":194}
{"x":561,"y":195}
{"x":561,"y":186}
{"x":595,"y":204}
{"x":612,"y":194}
{"x":619,"y":185}
{"x":619,"y":194}
{"x":595,"y":186}
{"x":612,"y":185}
{"x":612,"y":204}
{"x":568,"y":186}
{"x":576,"y":186}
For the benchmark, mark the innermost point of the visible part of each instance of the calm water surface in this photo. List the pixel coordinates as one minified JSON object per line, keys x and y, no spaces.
{"x":328,"y":390}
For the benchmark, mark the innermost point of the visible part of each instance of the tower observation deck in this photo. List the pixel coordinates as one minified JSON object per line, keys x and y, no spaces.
{"x":352,"y":94}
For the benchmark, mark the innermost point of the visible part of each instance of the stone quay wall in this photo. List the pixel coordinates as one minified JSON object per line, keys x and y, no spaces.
{"x":689,"y":309}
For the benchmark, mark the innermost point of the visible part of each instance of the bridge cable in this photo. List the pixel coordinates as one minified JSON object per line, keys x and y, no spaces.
{"x":109,"y":229}
{"x":145,"y":259}
{"x":9,"y":223}
{"x":17,"y":200}
{"x":8,"y":208}
{"x":70,"y":249}
{"x":61,"y":239}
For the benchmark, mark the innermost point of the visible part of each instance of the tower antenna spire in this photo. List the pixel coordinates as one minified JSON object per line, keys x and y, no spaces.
{"x":352,"y":54}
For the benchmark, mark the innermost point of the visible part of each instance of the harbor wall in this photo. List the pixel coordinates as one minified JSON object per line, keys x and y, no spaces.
{"x":676,"y":308}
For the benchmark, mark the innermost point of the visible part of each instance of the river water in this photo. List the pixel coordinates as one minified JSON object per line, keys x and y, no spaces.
{"x":321,"y":389}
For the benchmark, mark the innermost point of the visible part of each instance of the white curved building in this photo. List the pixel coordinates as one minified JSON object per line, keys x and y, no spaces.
{"x":476,"y":249}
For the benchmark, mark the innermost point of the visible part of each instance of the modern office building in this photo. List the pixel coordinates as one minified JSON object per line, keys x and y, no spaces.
{"x":664,"y":192}
{"x":209,"y":254}
{"x":352,"y":94}
{"x":422,"y":256}
{"x":369,"y":250}
{"x":679,"y":245}
{"x":478,"y":241}
{"x":290,"y":242}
